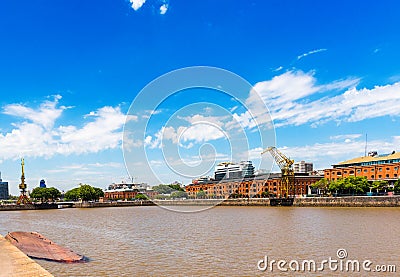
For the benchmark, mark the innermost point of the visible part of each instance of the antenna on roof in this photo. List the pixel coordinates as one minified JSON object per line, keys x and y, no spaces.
{"x":366,"y":144}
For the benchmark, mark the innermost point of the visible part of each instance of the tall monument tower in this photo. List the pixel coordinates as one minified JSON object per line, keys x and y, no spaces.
{"x":23,"y":198}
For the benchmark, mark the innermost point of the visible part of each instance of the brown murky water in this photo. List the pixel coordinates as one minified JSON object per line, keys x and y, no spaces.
{"x":223,"y":241}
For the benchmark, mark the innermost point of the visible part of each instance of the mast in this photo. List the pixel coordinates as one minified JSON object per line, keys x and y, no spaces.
{"x":23,"y":198}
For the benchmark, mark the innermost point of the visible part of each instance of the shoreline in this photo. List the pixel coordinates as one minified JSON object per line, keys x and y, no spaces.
{"x":347,"y":201}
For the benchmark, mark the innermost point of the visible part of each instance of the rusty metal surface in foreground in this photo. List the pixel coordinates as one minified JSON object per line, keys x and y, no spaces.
{"x":15,"y":263}
{"x":37,"y":246}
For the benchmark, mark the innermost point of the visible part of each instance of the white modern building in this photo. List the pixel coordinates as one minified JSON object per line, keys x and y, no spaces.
{"x":230,"y":170}
{"x":303,"y":167}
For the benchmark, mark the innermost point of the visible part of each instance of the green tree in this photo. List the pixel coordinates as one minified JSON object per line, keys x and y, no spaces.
{"x":45,"y":194}
{"x":201,"y":194}
{"x":72,"y":195}
{"x":141,"y":196}
{"x":176,"y":187}
{"x":356,"y":185}
{"x":336,"y":186}
{"x":396,"y":187}
{"x":38,"y":193}
{"x":379,"y":185}
{"x":87,"y":192}
{"x":98,"y":192}
{"x":53,"y":193}
{"x":322,"y":185}
{"x":179,"y":194}
{"x":84,"y":192}
{"x":163,"y":189}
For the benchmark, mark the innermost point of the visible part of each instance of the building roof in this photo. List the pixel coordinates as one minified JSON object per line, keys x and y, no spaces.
{"x":369,"y":160}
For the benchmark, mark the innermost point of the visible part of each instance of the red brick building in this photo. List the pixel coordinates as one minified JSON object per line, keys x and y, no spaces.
{"x":260,"y":185}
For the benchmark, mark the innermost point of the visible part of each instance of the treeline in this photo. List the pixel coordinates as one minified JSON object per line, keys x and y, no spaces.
{"x":83,"y":192}
{"x":170,"y":191}
{"x":45,"y":194}
{"x":355,"y":185}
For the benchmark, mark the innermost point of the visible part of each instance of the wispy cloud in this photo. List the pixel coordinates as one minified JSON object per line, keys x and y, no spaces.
{"x":345,"y":137}
{"x":39,"y":136}
{"x":199,"y":129}
{"x":279,"y":68}
{"x":324,"y":154}
{"x":310,"y":53}
{"x":44,"y":116}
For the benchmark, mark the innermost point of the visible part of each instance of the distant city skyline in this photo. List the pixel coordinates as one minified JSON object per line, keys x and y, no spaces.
{"x":328,"y":71}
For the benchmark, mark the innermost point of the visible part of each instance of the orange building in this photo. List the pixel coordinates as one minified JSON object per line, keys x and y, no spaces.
{"x":373,"y":166}
{"x":260,"y":186}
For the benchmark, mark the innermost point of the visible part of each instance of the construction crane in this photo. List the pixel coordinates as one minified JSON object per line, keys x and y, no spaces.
{"x":23,"y":198}
{"x":285,"y":164}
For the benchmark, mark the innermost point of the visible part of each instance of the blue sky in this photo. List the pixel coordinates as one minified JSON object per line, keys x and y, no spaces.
{"x":327,"y":70}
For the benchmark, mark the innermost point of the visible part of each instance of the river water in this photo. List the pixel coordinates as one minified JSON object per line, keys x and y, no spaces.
{"x":222,"y":241}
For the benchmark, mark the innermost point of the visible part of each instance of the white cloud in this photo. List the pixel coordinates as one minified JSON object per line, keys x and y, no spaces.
{"x":104,"y":132}
{"x":243,"y":120}
{"x":137,"y":4}
{"x":344,"y":137}
{"x":149,"y":113}
{"x":197,"y":132}
{"x":310,"y":53}
{"x":295,"y":98}
{"x":202,"y":132}
{"x":163,"y":8}
{"x":44,"y":116}
{"x":199,"y":118}
{"x":325,"y":154}
{"x":37,"y":135}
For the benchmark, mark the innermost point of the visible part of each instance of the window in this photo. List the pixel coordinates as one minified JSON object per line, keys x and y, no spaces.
{"x":339,"y":173}
{"x":380,"y":169}
{"x":372,"y":176}
{"x":387,"y":175}
{"x":395,"y":175}
{"x":380,"y":176}
{"x":366,"y":170}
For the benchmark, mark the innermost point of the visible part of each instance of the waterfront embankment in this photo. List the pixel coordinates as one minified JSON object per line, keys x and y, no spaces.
{"x":113,"y":204}
{"x":348,"y":201}
{"x":13,"y":262}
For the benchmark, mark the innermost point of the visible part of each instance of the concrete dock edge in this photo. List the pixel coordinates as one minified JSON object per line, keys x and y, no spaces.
{"x":14,"y":262}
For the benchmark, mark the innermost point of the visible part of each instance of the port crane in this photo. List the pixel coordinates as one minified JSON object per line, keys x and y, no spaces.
{"x":23,"y":198}
{"x":286,"y":166}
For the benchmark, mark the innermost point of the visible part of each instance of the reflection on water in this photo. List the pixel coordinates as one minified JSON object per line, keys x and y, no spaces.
{"x":223,"y":241}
